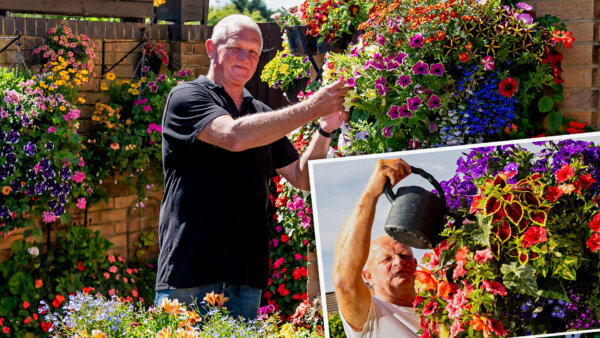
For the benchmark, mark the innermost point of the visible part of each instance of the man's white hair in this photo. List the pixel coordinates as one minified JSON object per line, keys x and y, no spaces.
{"x":219,"y":34}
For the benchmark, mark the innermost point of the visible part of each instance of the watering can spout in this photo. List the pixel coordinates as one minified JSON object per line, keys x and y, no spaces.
{"x":417,"y":216}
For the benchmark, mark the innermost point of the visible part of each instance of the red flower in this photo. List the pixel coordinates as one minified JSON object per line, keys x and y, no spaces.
{"x":6,"y":329}
{"x":463,"y":57}
{"x":584,"y":181}
{"x":594,"y":242}
{"x":296,"y":274}
{"x":58,"y":300}
{"x":595,"y":223}
{"x":46,"y":326}
{"x":80,"y":266}
{"x":282,"y":290}
{"x":534,"y":235}
{"x":87,"y":290}
{"x":461,"y":254}
{"x":35,"y":316}
{"x":494,"y":287}
{"x":429,"y":308}
{"x":564,"y":173}
{"x":496,"y":327}
{"x":553,"y":193}
{"x":27,"y":320}
{"x":25,"y":304}
{"x":508,"y":87}
{"x":285,"y":238}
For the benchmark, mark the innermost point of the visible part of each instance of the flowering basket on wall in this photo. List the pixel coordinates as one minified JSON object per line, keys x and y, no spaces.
{"x":527,"y":260}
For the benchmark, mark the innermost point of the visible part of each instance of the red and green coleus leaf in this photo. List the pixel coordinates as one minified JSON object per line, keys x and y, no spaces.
{"x":523,"y":224}
{"x":523,"y":257}
{"x":514,"y":211}
{"x":503,"y":231}
{"x":530,"y":199}
{"x":539,"y":217}
{"x":499,"y":182}
{"x":492,"y":205}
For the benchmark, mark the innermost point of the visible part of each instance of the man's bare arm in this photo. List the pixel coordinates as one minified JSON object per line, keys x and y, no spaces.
{"x":353,"y":243}
{"x":263,"y":128}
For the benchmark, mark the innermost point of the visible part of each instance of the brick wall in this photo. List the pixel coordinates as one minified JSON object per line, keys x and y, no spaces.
{"x":581,"y":63}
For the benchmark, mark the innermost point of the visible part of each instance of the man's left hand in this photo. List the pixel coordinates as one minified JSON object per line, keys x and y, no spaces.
{"x":334,"y":121}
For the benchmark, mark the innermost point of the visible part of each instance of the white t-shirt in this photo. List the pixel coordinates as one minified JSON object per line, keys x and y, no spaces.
{"x":386,"y":320}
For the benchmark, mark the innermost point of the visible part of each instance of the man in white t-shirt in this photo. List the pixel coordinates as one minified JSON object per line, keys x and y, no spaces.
{"x":386,"y":265}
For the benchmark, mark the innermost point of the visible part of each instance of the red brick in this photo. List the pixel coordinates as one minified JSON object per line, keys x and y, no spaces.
{"x":580,"y":100}
{"x":121,"y":227}
{"x":126,"y":201}
{"x":192,"y":60}
{"x":566,"y":9}
{"x":102,"y":205}
{"x":579,"y":55}
{"x":107,"y":216}
{"x":187,"y":48}
{"x":596,"y":119}
{"x":118,"y":240}
{"x":583,"y":31}
{"x":584,"y":117}
{"x":577,"y":76}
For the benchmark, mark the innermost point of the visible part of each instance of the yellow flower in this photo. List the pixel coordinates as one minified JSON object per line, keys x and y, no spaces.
{"x":110,"y":76}
{"x":103,"y":86}
{"x":213,"y":299}
{"x":81,"y":100}
{"x":171,"y":306}
{"x":371,"y":94}
{"x":165,"y":332}
{"x":157,"y":3}
{"x":62,"y":108}
{"x":351,"y":95}
{"x":371,"y":49}
{"x":84,"y":72}
{"x":135,"y":85}
{"x":287,"y":330}
{"x":126,"y":81}
{"x":82,"y":334}
{"x":143,"y":79}
{"x":135,"y":92}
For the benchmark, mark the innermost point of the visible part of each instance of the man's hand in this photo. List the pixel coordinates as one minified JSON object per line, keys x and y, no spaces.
{"x":394,"y":169}
{"x":333,"y":121}
{"x":329,"y":98}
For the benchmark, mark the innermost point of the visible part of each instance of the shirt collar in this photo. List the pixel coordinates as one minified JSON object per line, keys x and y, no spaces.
{"x":202,"y":79}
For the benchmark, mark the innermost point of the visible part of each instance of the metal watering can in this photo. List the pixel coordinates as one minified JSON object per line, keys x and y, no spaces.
{"x":417,"y":216}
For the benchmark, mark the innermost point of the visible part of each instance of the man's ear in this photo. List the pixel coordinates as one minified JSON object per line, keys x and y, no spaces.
{"x":210,"y":49}
{"x":367,"y":277}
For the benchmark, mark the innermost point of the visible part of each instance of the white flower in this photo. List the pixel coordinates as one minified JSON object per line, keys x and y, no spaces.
{"x":34,"y":250}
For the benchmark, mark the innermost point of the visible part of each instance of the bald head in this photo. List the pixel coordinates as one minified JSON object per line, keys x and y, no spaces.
{"x":380,"y":242}
{"x":221,"y":31}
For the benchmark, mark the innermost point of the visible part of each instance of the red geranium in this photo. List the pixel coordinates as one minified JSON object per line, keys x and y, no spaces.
{"x":508,"y":86}
{"x":534,"y":235}
{"x":584,"y":181}
{"x":553,"y":193}
{"x":564,"y":173}
{"x":595,"y":223}
{"x":594,"y":242}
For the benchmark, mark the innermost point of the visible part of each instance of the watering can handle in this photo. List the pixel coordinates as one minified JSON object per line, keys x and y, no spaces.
{"x":389,"y":193}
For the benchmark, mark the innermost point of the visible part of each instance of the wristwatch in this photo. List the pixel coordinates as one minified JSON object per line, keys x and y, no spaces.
{"x":324,"y":133}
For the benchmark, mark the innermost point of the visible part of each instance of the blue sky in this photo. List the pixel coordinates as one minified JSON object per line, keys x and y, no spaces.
{"x":337,"y":183}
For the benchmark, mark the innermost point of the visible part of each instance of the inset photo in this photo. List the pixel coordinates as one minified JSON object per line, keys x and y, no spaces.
{"x":489,"y":240}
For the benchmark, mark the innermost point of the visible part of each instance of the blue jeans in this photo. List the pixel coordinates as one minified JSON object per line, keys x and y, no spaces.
{"x":243,"y":300}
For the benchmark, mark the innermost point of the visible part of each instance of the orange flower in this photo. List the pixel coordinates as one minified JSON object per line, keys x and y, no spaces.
{"x":39,"y":283}
{"x":213,"y":299}
{"x":165,"y":332}
{"x":171,"y":306}
{"x":6,"y":190}
{"x":461,"y":254}
{"x":444,"y":289}
{"x":479,"y":324}
{"x":426,"y":279}
{"x":463,"y":57}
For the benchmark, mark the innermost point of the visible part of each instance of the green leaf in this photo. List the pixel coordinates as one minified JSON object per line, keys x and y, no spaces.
{"x":360,"y":115}
{"x":481,"y":235}
{"x":557,"y":97}
{"x":545,"y":104}
{"x":520,"y":278}
{"x":7,"y":304}
{"x":555,"y":119}
{"x":551,"y":289}
{"x":14,"y":283}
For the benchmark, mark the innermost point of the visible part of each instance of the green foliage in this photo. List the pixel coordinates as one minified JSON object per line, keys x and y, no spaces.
{"x":215,"y":14}
{"x":336,"y":328}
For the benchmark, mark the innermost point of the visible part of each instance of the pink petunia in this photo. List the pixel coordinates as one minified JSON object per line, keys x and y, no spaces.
{"x":81,"y":202}
{"x":481,"y":256}
{"x":459,"y":270}
{"x":495,"y":288}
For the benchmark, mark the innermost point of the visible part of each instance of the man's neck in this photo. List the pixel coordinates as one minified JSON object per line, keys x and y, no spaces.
{"x":236,"y":92}
{"x":404,"y":300}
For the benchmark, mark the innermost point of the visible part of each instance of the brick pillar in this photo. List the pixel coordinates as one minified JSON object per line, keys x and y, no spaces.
{"x":581,"y":63}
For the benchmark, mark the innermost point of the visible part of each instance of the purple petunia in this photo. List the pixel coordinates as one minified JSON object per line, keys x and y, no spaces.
{"x":403,"y":81}
{"x":414,"y":103}
{"x":434,"y":102}
{"x":29,"y":148}
{"x":381,"y":39}
{"x":393,"y":112}
{"x":421,"y":68}
{"x":524,"y":6}
{"x":524,"y":18}
{"x":417,"y":41}
{"x":436,"y":69}
{"x":404,"y":111}
{"x":12,"y":137}
{"x":351,"y":82}
{"x":400,"y":57}
{"x":380,"y":85}
{"x":387,"y":131}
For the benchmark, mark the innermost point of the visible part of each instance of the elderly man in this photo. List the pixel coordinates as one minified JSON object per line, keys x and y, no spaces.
{"x":220,"y":147}
{"x":386,"y":265}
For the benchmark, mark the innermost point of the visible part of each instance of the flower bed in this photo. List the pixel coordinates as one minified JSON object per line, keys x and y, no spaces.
{"x":527,"y":261}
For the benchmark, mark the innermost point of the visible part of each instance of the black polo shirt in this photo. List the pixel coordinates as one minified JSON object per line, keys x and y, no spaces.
{"x":213,"y":219}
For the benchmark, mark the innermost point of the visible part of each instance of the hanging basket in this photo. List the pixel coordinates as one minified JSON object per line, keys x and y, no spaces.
{"x":154,"y":64}
{"x":295,"y":87}
{"x":300,"y":40}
